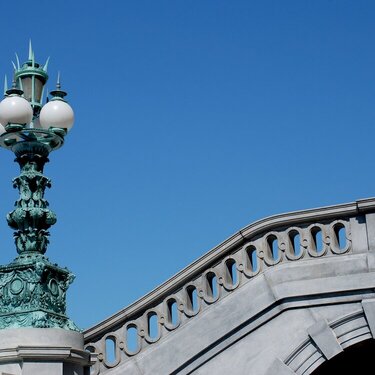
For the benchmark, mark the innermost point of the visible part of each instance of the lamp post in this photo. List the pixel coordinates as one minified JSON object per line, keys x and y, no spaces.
{"x":32,"y":289}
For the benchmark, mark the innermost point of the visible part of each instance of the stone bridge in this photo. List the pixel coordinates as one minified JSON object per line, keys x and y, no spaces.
{"x":285,"y":295}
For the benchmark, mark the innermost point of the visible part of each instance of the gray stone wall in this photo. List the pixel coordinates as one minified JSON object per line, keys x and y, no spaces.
{"x":290,"y":292}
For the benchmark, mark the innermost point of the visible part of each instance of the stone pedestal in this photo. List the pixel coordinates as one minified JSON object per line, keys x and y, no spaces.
{"x":42,"y":351}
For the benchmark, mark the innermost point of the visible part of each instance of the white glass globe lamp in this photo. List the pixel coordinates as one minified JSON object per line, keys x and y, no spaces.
{"x":57,"y":113}
{"x":15,"y":109}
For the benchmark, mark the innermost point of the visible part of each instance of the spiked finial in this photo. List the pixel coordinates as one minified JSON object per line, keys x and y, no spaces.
{"x":58,"y":93}
{"x":46,"y":65}
{"x":58,"y":83}
{"x":30,"y":50}
{"x":18,"y":61}
{"x":5,"y":84}
{"x":14,"y":90}
{"x":31,"y":78}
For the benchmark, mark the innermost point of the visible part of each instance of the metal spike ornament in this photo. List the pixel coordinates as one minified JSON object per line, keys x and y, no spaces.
{"x":45,"y":66}
{"x":5,"y":84}
{"x":18,"y":62}
{"x":32,"y":289}
{"x":30,"y":50}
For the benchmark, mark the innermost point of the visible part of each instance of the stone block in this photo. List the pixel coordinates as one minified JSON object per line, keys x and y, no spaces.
{"x":369,"y":310}
{"x":325,"y":339}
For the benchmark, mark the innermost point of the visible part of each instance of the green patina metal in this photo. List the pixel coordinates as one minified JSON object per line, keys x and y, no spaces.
{"x":33,"y":293}
{"x":31,"y":218}
{"x":32,"y":289}
{"x":37,"y":74}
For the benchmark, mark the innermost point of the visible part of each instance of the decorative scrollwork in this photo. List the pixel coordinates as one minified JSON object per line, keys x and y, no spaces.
{"x":33,"y":293}
{"x":31,"y":217}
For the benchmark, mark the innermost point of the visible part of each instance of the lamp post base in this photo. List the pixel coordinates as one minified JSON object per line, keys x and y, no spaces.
{"x":43,"y":351}
{"x":33,"y":292}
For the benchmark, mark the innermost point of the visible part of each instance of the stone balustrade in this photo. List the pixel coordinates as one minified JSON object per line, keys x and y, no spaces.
{"x":273,"y":242}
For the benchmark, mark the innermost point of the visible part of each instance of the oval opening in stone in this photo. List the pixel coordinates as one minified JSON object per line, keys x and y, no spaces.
{"x":192,"y":298}
{"x":295,"y":241}
{"x":132,"y":338}
{"x":340,"y":234}
{"x":317,"y":239}
{"x":153,"y":327}
{"x":110,"y":350}
{"x":251,"y":259}
{"x":211,"y":285}
{"x":273,"y":248}
{"x":172,"y":312}
{"x":231,"y":271}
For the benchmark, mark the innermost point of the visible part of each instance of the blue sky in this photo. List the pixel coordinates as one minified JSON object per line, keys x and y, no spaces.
{"x":193,"y":119}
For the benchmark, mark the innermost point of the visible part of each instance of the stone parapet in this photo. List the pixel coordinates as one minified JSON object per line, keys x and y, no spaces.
{"x":286,"y":255}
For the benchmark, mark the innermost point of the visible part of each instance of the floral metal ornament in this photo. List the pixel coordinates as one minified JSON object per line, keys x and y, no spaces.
{"x":31,"y":218}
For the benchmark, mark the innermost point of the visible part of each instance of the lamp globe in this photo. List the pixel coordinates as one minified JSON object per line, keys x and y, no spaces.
{"x":56,"y":113}
{"x":15,"y":109}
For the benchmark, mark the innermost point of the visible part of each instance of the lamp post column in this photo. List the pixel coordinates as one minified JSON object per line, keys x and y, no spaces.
{"x":31,"y":217}
{"x":36,"y":335}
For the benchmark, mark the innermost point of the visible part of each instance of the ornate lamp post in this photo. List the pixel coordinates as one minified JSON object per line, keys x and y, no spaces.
{"x":32,"y":289}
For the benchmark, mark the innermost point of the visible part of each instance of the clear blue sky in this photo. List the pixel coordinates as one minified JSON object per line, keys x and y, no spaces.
{"x":193,"y":119}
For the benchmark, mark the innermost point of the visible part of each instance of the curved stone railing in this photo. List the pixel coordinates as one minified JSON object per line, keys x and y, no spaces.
{"x":293,"y":237}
